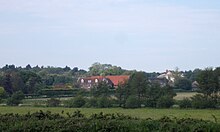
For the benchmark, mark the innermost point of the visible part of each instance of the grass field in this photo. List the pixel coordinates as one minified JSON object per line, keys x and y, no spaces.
{"x":140,"y":113}
{"x":179,"y":96}
{"x":32,"y":102}
{"x":182,"y":95}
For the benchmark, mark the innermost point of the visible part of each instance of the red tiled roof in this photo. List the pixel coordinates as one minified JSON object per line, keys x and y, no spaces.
{"x":95,"y":77}
{"x":116,"y":80}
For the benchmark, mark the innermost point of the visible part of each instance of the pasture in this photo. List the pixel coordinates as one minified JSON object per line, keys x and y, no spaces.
{"x":143,"y":113}
{"x":182,"y":95}
{"x":42,"y":101}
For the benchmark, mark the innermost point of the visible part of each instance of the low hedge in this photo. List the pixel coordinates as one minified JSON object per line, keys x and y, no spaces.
{"x":47,"y":121}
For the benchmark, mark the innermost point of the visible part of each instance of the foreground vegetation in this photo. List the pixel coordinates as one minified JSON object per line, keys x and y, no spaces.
{"x":142,"y":113}
{"x":47,"y":121}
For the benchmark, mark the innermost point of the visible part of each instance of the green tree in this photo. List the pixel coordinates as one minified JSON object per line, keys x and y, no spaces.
{"x":120,"y":93}
{"x":104,"y":102}
{"x":17,"y":82}
{"x":208,"y":82}
{"x":92,"y":102}
{"x":101,"y":90}
{"x":98,"y":69}
{"x":185,"y":103}
{"x":32,"y":85}
{"x":152,"y":95}
{"x":195,"y":74}
{"x":76,"y":102}
{"x":15,"y":99}
{"x":58,"y":79}
{"x":138,"y":85}
{"x":53,"y":102}
{"x":2,"y":93}
{"x":183,"y":83}
{"x":31,"y":81}
{"x":28,"y":67}
{"x":165,"y":102}
{"x":132,"y":102}
{"x":155,"y":92}
{"x":200,"y":101}
{"x":66,"y":69}
{"x":48,"y":80}
{"x":7,"y":84}
{"x":217,"y":75}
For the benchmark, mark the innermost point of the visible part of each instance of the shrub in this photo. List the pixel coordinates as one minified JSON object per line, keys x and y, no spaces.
{"x":104,"y":102}
{"x":68,"y":103}
{"x":165,"y":102}
{"x":92,"y":102}
{"x":15,"y":99}
{"x":53,"y":102}
{"x":132,"y":102}
{"x":185,"y":103}
{"x":218,"y":102}
{"x":76,"y":102}
{"x":50,"y":122}
{"x":2,"y":93}
{"x":201,"y":102}
{"x":79,"y":102}
{"x":183,"y":83}
{"x":150,"y":103}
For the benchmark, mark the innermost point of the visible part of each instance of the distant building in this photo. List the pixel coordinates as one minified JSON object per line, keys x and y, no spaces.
{"x":117,"y":80}
{"x":161,"y":81}
{"x":167,"y":75}
{"x":114,"y":81}
{"x":195,"y":86}
{"x":167,"y":78}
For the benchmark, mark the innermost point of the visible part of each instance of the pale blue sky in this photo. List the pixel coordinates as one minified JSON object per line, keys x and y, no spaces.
{"x":149,"y":35}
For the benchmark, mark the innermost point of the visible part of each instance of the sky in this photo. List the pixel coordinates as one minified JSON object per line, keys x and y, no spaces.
{"x":147,"y":35}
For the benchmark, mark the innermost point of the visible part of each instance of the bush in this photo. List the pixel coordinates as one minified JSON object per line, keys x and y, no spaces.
{"x":76,"y":102}
{"x":53,"y":102}
{"x":201,"y":102}
{"x":92,"y":102}
{"x":132,"y":102}
{"x":69,"y":103}
{"x":185,"y":103}
{"x":104,"y":102}
{"x":150,"y":103}
{"x":165,"y":102}
{"x":218,"y":102}
{"x":2,"y":93}
{"x":183,"y":83}
{"x":79,"y":102}
{"x":15,"y":99}
{"x":47,"y":121}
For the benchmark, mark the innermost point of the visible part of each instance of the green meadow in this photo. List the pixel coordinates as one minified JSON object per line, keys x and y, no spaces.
{"x":182,"y":95}
{"x":143,"y":113}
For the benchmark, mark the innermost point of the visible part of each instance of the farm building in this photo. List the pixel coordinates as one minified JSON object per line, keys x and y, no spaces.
{"x":114,"y":81}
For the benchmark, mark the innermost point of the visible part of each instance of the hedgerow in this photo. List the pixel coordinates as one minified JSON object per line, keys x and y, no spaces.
{"x":77,"y":122}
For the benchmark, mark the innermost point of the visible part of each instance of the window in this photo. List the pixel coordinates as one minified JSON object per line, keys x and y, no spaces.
{"x":96,"y":80}
{"x":82,"y":80}
{"x":89,"y":81}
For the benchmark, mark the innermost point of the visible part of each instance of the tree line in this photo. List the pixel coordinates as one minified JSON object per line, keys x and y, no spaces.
{"x":139,"y":92}
{"x":136,"y":92}
{"x":30,"y":80}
